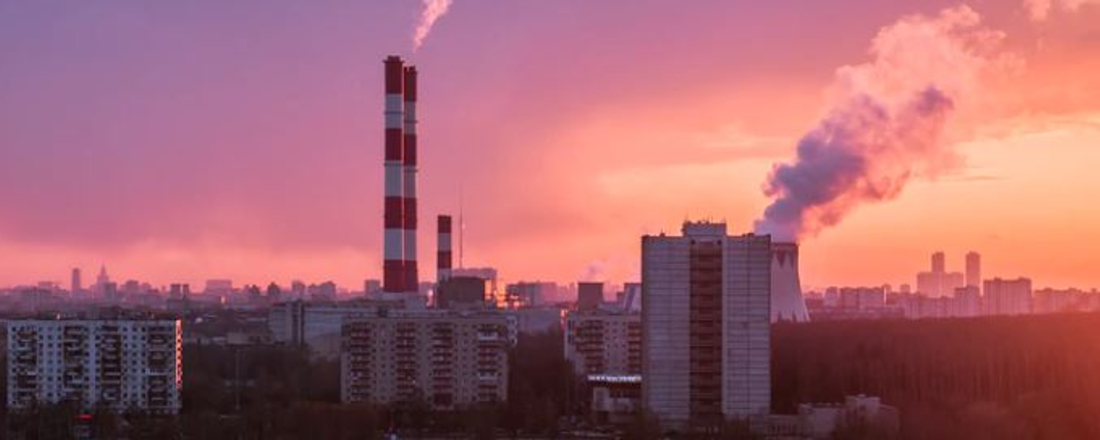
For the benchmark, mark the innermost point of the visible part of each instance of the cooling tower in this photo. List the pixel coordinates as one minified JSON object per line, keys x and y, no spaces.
{"x":787,"y":302}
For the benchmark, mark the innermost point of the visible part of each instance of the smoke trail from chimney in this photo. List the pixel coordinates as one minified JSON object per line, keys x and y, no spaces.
{"x":886,"y":122}
{"x":433,"y":10}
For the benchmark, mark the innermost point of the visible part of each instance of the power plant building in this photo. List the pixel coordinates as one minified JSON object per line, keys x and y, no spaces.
{"x":787,"y":301}
{"x":706,"y":300}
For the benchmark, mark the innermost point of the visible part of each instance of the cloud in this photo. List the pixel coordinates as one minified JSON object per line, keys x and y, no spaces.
{"x":1039,"y":10}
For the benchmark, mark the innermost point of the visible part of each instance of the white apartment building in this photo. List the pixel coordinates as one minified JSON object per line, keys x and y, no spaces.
{"x":123,"y":364}
{"x":706,"y":325}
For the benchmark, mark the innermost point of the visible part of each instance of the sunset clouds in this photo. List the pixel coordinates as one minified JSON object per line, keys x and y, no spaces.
{"x":173,"y":141}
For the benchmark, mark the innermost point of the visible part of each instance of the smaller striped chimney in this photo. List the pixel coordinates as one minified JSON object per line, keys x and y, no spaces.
{"x":443,"y":242}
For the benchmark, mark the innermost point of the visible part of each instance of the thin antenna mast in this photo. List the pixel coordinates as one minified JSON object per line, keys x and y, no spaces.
{"x":461,"y":223}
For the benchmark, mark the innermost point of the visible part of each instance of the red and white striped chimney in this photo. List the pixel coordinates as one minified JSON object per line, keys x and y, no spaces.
{"x":443,"y":255}
{"x":393,"y":278}
{"x":412,"y":279}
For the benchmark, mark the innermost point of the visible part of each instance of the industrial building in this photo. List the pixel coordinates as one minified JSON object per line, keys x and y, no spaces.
{"x":706,"y":300}
{"x":786,"y":288}
{"x":123,"y":364}
{"x":448,"y":359}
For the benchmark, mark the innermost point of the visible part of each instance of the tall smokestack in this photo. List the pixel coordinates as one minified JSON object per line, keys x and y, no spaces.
{"x":412,"y":280}
{"x":393,"y":278}
{"x":443,"y":255}
{"x":787,"y":302}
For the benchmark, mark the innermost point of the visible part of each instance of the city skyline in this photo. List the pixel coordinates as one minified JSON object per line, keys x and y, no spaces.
{"x":172,"y":144}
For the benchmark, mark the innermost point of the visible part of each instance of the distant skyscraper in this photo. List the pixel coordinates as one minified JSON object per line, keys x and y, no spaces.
{"x":938,"y":263}
{"x":102,"y":279}
{"x":939,"y":282}
{"x":973,"y":269}
{"x":75,"y":285}
{"x":706,"y":301}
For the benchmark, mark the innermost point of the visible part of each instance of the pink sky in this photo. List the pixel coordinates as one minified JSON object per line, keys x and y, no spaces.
{"x":179,"y":142}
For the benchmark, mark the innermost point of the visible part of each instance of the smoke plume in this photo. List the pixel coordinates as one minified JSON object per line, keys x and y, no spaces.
{"x":433,"y":10}
{"x":885,"y":124}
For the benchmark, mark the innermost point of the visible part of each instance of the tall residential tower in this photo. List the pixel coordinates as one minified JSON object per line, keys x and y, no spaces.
{"x":706,"y":300}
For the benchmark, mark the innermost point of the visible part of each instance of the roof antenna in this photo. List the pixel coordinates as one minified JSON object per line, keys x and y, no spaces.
{"x":461,"y":223}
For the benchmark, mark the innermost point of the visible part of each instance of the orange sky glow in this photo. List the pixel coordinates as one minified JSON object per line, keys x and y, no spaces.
{"x":173,"y":146}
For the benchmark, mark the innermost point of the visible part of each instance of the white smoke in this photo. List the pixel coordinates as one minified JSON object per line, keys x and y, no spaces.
{"x":433,"y":10}
{"x":886,"y":121}
{"x":595,"y":271}
{"x":1039,"y":10}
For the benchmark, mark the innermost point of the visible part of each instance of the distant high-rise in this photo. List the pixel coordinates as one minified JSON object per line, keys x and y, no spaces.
{"x":75,"y":285}
{"x":939,"y":282}
{"x":973,"y":269}
{"x":706,"y":301}
{"x":102,"y":279}
{"x":939,"y":264}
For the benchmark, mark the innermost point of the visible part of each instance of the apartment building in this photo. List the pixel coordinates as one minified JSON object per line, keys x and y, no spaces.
{"x":602,"y":342}
{"x":121,"y":364}
{"x":448,"y":359}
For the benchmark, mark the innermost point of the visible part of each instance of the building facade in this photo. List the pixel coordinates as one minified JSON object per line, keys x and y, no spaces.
{"x":448,"y":360}
{"x":123,"y":364}
{"x":604,"y":342}
{"x":1007,"y":297}
{"x":705,"y":318}
{"x":939,"y":282}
